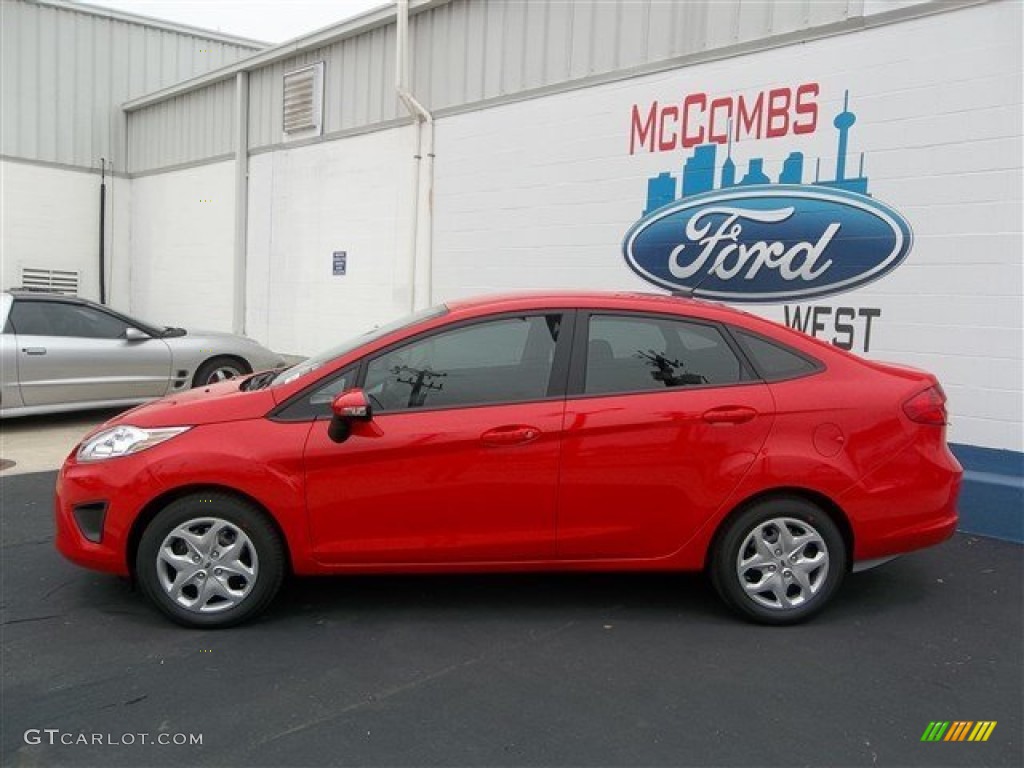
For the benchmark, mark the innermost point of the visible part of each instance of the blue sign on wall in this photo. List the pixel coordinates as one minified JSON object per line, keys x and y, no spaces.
{"x":340,"y":262}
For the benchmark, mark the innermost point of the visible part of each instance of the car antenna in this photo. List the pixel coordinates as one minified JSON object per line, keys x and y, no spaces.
{"x":688,"y":292}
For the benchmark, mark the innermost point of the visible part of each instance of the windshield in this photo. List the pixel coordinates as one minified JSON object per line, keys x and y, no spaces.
{"x":289,"y":375}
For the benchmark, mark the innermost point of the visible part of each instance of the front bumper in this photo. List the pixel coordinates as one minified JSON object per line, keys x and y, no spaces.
{"x":116,"y":485}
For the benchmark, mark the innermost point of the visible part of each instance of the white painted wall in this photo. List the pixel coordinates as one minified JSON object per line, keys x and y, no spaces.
{"x":539,"y":193}
{"x":49,"y":219}
{"x":347,"y":195}
{"x":182,"y":247}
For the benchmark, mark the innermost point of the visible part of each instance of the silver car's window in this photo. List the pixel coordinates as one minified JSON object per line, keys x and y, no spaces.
{"x":54,"y":318}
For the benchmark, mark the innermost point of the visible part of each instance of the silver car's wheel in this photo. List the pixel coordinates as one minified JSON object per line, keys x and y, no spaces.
{"x":211,"y":559}
{"x":222,"y":373}
{"x":207,"y":565}
{"x":219,"y":369}
{"x":779,"y":561}
{"x":782,"y":563}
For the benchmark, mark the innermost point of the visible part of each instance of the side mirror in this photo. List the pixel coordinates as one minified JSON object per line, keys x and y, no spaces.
{"x":348,"y":407}
{"x":134,"y":334}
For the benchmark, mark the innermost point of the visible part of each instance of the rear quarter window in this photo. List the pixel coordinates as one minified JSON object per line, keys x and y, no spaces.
{"x":775,"y":361}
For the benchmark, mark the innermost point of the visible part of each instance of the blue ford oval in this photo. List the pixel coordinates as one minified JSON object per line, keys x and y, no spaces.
{"x":768,"y":243}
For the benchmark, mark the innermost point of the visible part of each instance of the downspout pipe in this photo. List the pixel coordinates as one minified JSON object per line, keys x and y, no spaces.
{"x":241,"y":199}
{"x":421,"y":289}
{"x":103,"y":231}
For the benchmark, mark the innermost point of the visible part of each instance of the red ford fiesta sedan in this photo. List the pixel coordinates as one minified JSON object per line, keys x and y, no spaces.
{"x":529,"y":432}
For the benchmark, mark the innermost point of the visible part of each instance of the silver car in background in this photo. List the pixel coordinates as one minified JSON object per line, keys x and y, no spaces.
{"x":61,"y":353}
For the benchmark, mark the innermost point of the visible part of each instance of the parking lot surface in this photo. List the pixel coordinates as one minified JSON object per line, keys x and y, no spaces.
{"x":39,"y":443}
{"x":508,"y":670}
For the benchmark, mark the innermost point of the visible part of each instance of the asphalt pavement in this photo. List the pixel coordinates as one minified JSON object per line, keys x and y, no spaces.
{"x":538,"y":670}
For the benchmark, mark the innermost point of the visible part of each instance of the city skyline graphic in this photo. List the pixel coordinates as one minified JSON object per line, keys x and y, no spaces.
{"x":699,"y":170}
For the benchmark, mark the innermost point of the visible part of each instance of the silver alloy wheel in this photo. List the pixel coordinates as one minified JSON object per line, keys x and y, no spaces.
{"x":222,"y":373}
{"x":782,"y":563}
{"x":207,"y":565}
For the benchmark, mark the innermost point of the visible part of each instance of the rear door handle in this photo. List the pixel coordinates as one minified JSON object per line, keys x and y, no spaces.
{"x":729,"y":414}
{"x":513,"y":434}
{"x":34,"y":350}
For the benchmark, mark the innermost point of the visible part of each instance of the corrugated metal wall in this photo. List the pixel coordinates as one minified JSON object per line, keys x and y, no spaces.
{"x":195,"y":126}
{"x":470,"y":50}
{"x":359,"y":86}
{"x":467,"y":51}
{"x":65,"y":74}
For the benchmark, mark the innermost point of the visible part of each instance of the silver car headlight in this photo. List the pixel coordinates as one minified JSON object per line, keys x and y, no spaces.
{"x":124,"y":440}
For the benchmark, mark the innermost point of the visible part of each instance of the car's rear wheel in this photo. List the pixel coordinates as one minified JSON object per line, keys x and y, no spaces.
{"x":218,"y":369}
{"x":210,"y":560}
{"x":780,"y":561}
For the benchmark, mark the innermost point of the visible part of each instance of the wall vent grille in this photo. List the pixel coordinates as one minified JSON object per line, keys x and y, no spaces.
{"x":303,"y":101}
{"x":51,"y":280}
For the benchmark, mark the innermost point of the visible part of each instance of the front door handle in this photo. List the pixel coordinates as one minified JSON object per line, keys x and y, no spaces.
{"x":34,"y":350}
{"x":729,"y":414}
{"x":513,"y":434}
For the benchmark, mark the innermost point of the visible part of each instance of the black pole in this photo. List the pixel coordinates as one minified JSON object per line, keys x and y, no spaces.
{"x":103,"y":211}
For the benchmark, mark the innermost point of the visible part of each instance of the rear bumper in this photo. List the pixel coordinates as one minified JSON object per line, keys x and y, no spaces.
{"x":908,"y":503}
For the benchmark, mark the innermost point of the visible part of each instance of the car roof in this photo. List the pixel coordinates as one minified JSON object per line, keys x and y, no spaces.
{"x":594,"y":299}
{"x":42,"y":295}
{"x":634,"y":301}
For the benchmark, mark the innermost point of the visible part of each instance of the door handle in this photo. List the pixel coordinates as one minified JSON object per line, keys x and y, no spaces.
{"x":516,"y":434}
{"x":729,"y":414}
{"x":34,"y":350}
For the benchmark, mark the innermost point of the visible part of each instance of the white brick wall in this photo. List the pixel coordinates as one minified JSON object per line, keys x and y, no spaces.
{"x":538,"y":194}
{"x":49,"y":219}
{"x":348,"y":195}
{"x":182,"y":246}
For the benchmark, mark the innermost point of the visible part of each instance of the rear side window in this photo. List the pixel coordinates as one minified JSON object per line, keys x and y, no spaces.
{"x":774,"y":361}
{"x":636,"y":354}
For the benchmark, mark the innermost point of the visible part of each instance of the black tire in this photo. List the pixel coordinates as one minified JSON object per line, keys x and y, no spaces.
{"x":797,"y":583}
{"x":220,"y":368}
{"x":235,"y":526}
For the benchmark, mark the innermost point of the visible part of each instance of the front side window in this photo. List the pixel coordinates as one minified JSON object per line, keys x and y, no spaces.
{"x":636,"y":354}
{"x":52,"y":318}
{"x":317,"y":402}
{"x":498,"y":361}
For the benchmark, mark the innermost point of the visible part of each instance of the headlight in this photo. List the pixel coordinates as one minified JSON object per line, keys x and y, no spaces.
{"x":123,"y":440}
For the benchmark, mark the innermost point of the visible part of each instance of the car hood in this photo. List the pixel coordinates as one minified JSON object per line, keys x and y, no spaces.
{"x":212,"y":404}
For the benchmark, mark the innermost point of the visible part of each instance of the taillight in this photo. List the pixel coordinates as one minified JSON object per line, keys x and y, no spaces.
{"x":928,"y":407}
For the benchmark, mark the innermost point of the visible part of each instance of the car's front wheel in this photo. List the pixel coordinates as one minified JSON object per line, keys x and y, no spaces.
{"x":219,"y":369}
{"x":210,"y":560}
{"x":780,"y":561}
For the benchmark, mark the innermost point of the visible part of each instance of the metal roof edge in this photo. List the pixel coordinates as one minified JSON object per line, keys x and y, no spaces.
{"x":149,"y":21}
{"x":364,"y":22}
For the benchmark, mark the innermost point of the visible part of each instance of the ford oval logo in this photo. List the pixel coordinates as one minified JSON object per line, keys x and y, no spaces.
{"x":768,"y":243}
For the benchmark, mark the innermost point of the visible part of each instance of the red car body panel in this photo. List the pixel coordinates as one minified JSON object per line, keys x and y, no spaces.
{"x":617,"y":482}
{"x":629,"y":468}
{"x":434,"y":488}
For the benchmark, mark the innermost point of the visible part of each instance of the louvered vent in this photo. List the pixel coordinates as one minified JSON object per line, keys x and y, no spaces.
{"x":303,"y":100}
{"x":50,"y":280}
